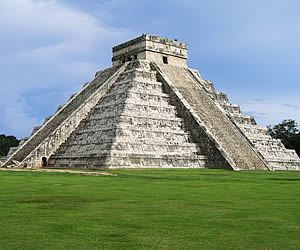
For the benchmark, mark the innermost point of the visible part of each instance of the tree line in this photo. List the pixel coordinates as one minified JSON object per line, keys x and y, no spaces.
{"x":288,"y":133}
{"x":6,"y":142}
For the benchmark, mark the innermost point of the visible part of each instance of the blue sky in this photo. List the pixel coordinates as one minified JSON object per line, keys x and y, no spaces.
{"x":50,"y":48}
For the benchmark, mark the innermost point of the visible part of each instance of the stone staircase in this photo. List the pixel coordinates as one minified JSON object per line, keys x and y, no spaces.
{"x":272,"y":150}
{"x":132,"y":126}
{"x":235,"y":149}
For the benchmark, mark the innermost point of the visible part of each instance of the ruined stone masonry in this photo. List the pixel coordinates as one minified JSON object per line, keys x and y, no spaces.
{"x":149,"y":110}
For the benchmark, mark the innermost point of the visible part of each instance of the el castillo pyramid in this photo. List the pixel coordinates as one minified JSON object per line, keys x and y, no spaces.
{"x":149,"y":110}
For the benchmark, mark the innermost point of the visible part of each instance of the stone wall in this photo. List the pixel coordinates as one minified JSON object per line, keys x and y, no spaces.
{"x":151,"y":48}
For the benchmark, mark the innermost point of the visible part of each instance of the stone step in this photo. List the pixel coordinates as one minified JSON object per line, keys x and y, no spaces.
{"x":136,"y":114}
{"x":132,"y":131}
{"x":243,"y":119}
{"x":144,"y":86}
{"x":134,"y":86}
{"x":130,"y":150}
{"x":221,"y":97}
{"x":280,"y":155}
{"x":154,"y":126}
{"x":135,"y":106}
{"x":138,"y":94}
{"x":127,"y":143}
{"x":131,"y":123}
{"x":160,"y":100}
{"x":133,"y":161}
{"x":137,"y":119}
{"x":231,"y":108}
{"x":137,"y":74}
{"x":285,"y":165}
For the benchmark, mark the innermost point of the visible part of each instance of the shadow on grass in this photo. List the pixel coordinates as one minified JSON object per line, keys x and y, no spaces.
{"x":284,"y":179}
{"x":61,"y":201}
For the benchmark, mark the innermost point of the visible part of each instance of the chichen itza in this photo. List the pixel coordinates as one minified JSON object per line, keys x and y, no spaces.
{"x":149,"y":110}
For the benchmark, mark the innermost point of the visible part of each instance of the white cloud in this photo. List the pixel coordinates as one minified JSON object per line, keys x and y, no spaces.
{"x":46,"y":45}
{"x":15,"y":115}
{"x":272,"y":110}
{"x":48,"y":30}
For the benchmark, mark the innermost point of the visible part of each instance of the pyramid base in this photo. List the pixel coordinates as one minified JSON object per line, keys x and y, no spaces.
{"x":136,"y":161}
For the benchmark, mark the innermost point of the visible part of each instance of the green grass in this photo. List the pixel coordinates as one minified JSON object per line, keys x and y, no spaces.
{"x":159,"y":209}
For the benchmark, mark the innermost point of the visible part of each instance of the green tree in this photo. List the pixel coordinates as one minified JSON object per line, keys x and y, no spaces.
{"x":288,"y":133}
{"x":6,"y":142}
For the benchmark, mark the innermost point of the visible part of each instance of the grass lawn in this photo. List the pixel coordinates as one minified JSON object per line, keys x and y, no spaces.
{"x":159,"y":209}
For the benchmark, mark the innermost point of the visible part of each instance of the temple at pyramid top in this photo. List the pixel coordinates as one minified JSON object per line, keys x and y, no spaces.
{"x":149,"y":110}
{"x":152,"y":48}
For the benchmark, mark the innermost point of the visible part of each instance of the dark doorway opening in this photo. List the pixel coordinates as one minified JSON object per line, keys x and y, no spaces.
{"x":44,"y":162}
{"x":165,"y":60}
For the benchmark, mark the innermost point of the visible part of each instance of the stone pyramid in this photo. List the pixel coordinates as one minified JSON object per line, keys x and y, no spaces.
{"x":149,"y":110}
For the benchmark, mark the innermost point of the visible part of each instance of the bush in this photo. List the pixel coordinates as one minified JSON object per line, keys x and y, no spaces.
{"x":6,"y":142}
